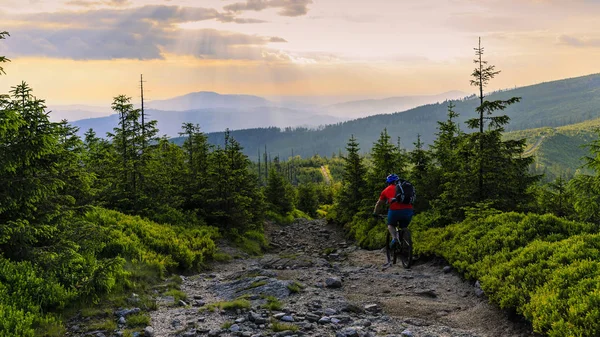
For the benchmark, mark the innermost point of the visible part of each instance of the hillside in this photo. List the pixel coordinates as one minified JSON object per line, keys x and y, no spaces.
{"x":559,"y":150}
{"x":369,"y":107}
{"x":550,"y":104}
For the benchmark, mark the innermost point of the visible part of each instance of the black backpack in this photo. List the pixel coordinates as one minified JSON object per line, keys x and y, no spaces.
{"x":405,"y":192}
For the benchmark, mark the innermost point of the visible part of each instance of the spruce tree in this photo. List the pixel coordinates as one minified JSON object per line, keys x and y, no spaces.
{"x":482,"y":75}
{"x":278,"y":192}
{"x":3,"y":59}
{"x":308,"y":201}
{"x":350,"y":198}
{"x":197,"y":151}
{"x":385,"y":161}
{"x":502,"y":171}
{"x":421,"y":175}
{"x":29,"y":171}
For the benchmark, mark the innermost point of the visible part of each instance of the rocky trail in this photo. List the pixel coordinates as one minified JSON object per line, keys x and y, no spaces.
{"x":315,"y":283}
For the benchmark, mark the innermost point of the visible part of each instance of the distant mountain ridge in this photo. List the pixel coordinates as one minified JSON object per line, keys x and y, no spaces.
{"x":217,"y":112}
{"x":213,"y":119}
{"x":208,"y":100}
{"x":549,"y":104}
{"x":364,"y":108}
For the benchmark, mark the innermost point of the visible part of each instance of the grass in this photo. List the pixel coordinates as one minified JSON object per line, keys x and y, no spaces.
{"x":222,"y":257}
{"x":272,"y":303}
{"x":106,"y":324}
{"x":226,"y":325}
{"x":240,"y":303}
{"x":177,"y":294}
{"x":51,"y":329}
{"x":329,"y":250}
{"x":294,"y":287}
{"x":138,"y":320}
{"x":95,"y":311}
{"x":257,"y":284}
{"x":278,"y":326}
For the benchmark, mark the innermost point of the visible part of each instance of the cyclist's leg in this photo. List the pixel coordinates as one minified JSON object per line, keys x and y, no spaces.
{"x":391,"y":222}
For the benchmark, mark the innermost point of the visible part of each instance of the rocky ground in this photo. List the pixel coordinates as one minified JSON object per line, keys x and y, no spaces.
{"x":315,"y":283}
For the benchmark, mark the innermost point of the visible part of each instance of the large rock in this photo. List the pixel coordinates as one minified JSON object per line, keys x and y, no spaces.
{"x":258,"y":286}
{"x":333,"y":282}
{"x":372,"y":308}
{"x":127,"y":312}
{"x":406,"y":333}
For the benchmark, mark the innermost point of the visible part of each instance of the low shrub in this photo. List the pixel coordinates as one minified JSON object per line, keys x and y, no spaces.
{"x":541,"y":266}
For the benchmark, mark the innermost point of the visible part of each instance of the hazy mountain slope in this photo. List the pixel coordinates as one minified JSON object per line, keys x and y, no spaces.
{"x":364,"y":108}
{"x":208,"y":100}
{"x":76,"y":112}
{"x":548,"y":104}
{"x":214,"y":119}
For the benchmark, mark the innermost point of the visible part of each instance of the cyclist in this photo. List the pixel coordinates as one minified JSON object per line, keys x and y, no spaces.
{"x":399,"y":213}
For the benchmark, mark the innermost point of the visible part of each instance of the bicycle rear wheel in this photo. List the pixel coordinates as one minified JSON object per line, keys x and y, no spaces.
{"x":406,"y":249}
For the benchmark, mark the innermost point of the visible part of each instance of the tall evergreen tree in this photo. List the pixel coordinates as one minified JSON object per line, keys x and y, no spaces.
{"x":197,"y":150}
{"x":502,"y":171}
{"x":385,"y":160}
{"x":279,"y":193}
{"x":28,"y":173}
{"x":482,"y":75}
{"x":71,"y":153}
{"x":3,"y":59}
{"x":350,"y":198}
{"x":421,"y":176}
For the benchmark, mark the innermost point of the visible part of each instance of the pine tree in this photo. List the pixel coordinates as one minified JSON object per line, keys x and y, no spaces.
{"x":77,"y":190}
{"x":452,"y":187}
{"x":164,"y":179}
{"x":129,"y":139}
{"x":196,"y":150}
{"x":385,"y":161}
{"x":502,"y":171}
{"x":3,"y":59}
{"x":28,"y":173}
{"x":350,"y":198}
{"x":99,"y":159}
{"x":308,"y":201}
{"x":482,"y":75}
{"x":278,"y":192}
{"x":420,"y":175}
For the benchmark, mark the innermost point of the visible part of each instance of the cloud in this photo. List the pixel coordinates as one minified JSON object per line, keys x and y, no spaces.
{"x":134,"y":33}
{"x":91,"y":3}
{"x":277,"y":39}
{"x":578,"y":42}
{"x":287,"y":7}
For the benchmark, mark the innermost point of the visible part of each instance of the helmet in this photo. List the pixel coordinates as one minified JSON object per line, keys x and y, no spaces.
{"x":392,"y":178}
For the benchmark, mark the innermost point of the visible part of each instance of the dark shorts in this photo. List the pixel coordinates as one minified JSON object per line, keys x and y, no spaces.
{"x":401,"y":217}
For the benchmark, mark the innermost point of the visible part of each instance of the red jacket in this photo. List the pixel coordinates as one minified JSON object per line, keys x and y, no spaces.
{"x":388,"y":194}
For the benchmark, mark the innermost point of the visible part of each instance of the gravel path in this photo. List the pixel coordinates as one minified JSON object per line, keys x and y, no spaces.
{"x":326,"y":286}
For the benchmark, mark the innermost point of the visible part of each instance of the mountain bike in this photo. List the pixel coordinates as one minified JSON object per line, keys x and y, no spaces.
{"x":402,"y":249}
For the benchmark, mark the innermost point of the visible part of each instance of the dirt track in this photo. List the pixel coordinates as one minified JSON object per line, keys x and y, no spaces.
{"x":421,"y":301}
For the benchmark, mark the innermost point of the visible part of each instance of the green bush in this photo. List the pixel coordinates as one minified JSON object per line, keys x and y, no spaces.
{"x":110,"y":252}
{"x":543,"y":267}
{"x":368,"y":232}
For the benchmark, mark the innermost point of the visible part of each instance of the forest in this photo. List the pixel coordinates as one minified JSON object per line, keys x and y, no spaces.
{"x":86,"y":222}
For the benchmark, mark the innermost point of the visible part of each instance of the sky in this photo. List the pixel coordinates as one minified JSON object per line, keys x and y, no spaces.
{"x":88,"y":51}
